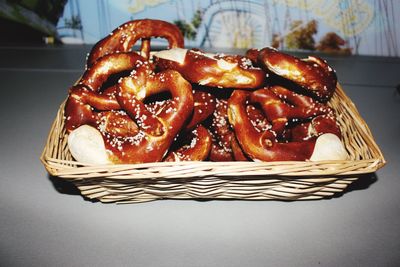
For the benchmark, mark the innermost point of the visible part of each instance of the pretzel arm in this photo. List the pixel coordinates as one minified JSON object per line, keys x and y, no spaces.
{"x":262,"y":145}
{"x":211,"y":69}
{"x":281,"y":106}
{"x":197,"y":150}
{"x":156,"y":133}
{"x":86,"y":96}
{"x":123,"y":38}
{"x":314,"y":75}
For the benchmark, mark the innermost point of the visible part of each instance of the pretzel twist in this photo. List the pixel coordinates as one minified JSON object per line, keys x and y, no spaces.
{"x":312,"y":74}
{"x":214,"y":70}
{"x":262,"y":145}
{"x":282,"y":106}
{"x":86,"y":95}
{"x":156,"y":133}
{"x":125,"y":36}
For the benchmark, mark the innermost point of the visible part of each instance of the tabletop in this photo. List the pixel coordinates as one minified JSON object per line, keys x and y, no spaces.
{"x":46,"y":222}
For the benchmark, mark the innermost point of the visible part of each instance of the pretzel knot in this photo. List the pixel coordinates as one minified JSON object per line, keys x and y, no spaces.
{"x":265,"y":144}
{"x":215,"y":70}
{"x":123,"y":38}
{"x":86,"y":96}
{"x":312,"y":74}
{"x":155,"y":132}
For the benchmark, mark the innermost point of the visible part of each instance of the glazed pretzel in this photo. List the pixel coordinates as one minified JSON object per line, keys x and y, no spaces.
{"x":156,"y":133}
{"x":125,"y":36}
{"x":312,"y":74}
{"x":262,"y":145}
{"x":281,"y":106}
{"x":214,"y":70}
{"x":198,"y":148}
{"x":86,"y":95}
{"x":309,"y":118}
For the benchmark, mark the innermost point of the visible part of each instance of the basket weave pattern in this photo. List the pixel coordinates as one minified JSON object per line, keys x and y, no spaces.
{"x":283,"y":180}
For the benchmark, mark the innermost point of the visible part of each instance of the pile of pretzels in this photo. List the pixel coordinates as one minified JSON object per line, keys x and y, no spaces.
{"x":184,"y":104}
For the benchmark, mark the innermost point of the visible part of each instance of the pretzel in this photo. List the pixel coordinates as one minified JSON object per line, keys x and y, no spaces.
{"x":156,"y":133}
{"x":282,"y":106}
{"x":123,"y":38}
{"x":130,"y":121}
{"x":214,"y":70}
{"x":197,"y":150}
{"x":312,"y":74}
{"x":86,"y":95}
{"x":264,"y":145}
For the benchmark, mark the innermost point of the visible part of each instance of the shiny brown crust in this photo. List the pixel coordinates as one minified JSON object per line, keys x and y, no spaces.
{"x":125,"y":36}
{"x":115,"y":123}
{"x":279,"y":140}
{"x":216,"y":70}
{"x":313,"y":74}
{"x":260,"y":145}
{"x":79,"y":108}
{"x":86,"y":96}
{"x":94,"y":77}
{"x":224,"y":144}
{"x":156,"y":133}
{"x":222,"y":133}
{"x":197,"y":150}
{"x":252,"y":54}
{"x":312,"y":117}
{"x":281,"y":106}
{"x":204,"y":106}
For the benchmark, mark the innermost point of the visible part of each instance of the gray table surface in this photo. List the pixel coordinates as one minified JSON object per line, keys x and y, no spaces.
{"x":45,"y":222}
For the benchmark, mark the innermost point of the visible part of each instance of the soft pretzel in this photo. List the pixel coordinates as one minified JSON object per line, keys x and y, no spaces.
{"x":197,"y":149}
{"x":214,"y":70}
{"x":86,"y":96}
{"x":312,"y":74}
{"x":123,"y":38}
{"x":156,"y":133}
{"x":264,"y":145}
{"x":281,"y":106}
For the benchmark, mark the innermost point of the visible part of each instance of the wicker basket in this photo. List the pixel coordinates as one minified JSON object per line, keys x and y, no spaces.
{"x":221,"y":180}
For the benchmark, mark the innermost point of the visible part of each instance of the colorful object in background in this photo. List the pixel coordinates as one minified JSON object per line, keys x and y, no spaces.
{"x":368,"y":27}
{"x":29,"y":21}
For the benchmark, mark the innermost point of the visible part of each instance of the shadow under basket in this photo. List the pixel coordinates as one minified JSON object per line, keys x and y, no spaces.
{"x":282,"y":180}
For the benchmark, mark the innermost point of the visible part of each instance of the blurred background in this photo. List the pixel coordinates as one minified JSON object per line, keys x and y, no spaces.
{"x":348,"y":27}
